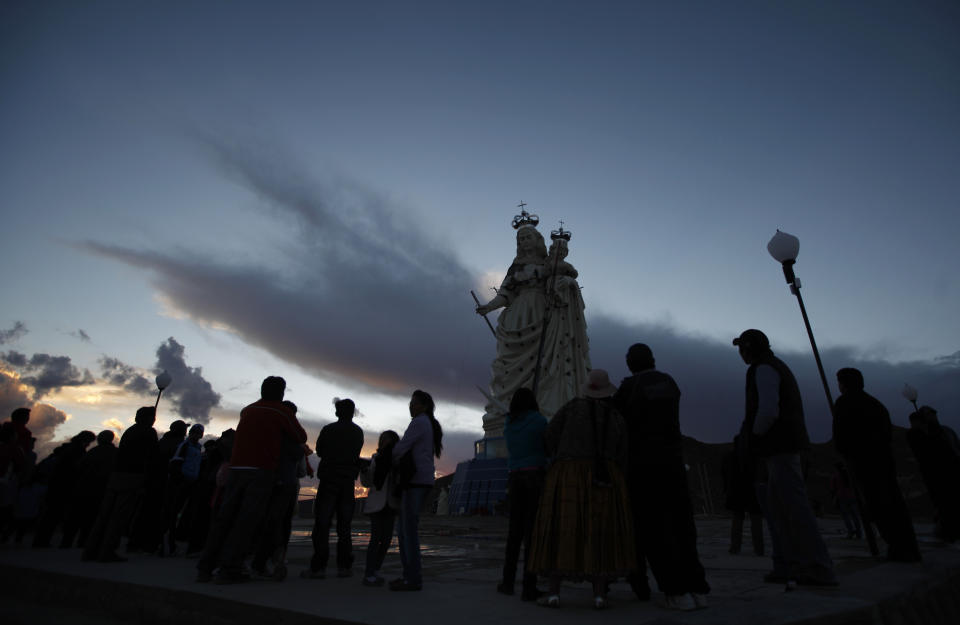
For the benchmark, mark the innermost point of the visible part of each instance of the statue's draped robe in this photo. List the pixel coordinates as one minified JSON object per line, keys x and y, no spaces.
{"x":565,"y":362}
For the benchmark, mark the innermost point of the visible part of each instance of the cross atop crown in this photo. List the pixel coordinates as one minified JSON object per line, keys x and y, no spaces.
{"x":560,"y":233}
{"x":524,"y":218}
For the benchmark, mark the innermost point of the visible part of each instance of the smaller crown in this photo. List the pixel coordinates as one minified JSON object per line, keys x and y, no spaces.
{"x":560,"y":233}
{"x":524,"y":219}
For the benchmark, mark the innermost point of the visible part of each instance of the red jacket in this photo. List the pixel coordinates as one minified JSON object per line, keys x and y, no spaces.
{"x":263,"y":425}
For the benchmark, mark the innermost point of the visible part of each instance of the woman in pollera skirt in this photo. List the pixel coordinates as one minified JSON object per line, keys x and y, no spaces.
{"x":584,"y":529}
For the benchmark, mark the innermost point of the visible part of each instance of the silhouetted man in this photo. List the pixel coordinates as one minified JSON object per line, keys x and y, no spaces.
{"x":862,"y":435}
{"x":253,"y":464}
{"x":93,"y":473}
{"x":776,"y":433}
{"x":20,"y":417}
{"x":338,"y":447}
{"x":124,"y":491}
{"x":935,"y":448}
{"x":664,"y":530}
{"x":150,"y":524}
{"x":61,"y":486}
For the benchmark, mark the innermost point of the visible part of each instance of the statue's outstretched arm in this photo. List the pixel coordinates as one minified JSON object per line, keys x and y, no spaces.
{"x":497,"y":302}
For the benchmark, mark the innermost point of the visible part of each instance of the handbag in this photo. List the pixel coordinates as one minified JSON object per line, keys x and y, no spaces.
{"x":405,"y":469}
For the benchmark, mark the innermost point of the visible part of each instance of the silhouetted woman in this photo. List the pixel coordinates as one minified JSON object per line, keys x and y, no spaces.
{"x":527,"y":457}
{"x":584,"y":527}
{"x":421,"y":442}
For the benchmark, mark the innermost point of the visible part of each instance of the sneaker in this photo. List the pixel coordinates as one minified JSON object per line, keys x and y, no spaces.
{"x":700,"y":600}
{"x":373,"y":581}
{"x":549,"y":601}
{"x":404,"y":586}
{"x":311,"y":574}
{"x":599,"y":603}
{"x":504,"y":589}
{"x":684,"y":602}
{"x":344,"y":572}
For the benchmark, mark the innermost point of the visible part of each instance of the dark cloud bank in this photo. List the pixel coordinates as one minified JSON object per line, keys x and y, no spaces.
{"x":46,"y":373}
{"x":370,"y":301}
{"x":191,"y":394}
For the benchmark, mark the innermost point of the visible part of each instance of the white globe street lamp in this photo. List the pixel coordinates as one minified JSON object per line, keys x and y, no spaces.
{"x":910,"y":394}
{"x":784,"y":249}
{"x":163,"y":381}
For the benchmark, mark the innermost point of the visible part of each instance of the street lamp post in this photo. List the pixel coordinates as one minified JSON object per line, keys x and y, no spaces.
{"x":163,"y":381}
{"x":910,"y":394}
{"x":784,"y":249}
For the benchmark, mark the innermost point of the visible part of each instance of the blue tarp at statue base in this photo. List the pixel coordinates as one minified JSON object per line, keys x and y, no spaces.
{"x":480,"y":485}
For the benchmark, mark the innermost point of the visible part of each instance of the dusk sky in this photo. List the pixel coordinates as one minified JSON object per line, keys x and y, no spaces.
{"x":230,"y":190}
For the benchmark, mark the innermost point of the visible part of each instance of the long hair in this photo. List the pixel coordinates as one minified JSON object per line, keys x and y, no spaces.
{"x":388,"y":438}
{"x":523,"y":400}
{"x":426,"y":400}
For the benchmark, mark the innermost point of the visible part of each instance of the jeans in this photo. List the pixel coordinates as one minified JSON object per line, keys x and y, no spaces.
{"x":776,"y":553}
{"x":275,"y":532}
{"x":334,"y":497}
{"x":381,"y":535}
{"x":120,"y":501}
{"x":665,"y":534}
{"x":523,"y":497}
{"x":408,"y":532}
{"x":244,"y":506}
{"x":803,"y":550}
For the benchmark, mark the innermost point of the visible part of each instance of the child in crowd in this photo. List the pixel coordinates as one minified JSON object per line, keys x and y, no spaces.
{"x":381,"y":505}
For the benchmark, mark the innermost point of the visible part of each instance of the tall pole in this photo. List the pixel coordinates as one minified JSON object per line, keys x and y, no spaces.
{"x":795,"y":289}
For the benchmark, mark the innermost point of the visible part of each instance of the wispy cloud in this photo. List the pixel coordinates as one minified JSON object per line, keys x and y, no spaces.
{"x":18,"y":330}
{"x":80,"y":334}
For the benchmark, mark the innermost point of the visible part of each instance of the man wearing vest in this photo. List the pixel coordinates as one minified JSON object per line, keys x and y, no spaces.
{"x":775,"y":432}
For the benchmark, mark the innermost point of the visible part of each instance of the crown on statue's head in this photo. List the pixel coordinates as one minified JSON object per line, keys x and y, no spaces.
{"x":524,"y":219}
{"x":560,"y":233}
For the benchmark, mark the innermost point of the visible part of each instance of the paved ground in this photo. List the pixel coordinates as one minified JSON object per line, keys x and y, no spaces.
{"x":462,"y":559}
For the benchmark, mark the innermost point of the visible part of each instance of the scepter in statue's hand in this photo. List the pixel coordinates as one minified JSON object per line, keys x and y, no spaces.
{"x":483,"y":314}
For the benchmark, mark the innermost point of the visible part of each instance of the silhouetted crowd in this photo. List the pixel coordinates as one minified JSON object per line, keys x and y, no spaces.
{"x":598,"y":493}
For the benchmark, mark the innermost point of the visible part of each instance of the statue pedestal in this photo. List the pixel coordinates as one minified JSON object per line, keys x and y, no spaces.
{"x":493,"y":425}
{"x":480,"y":485}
